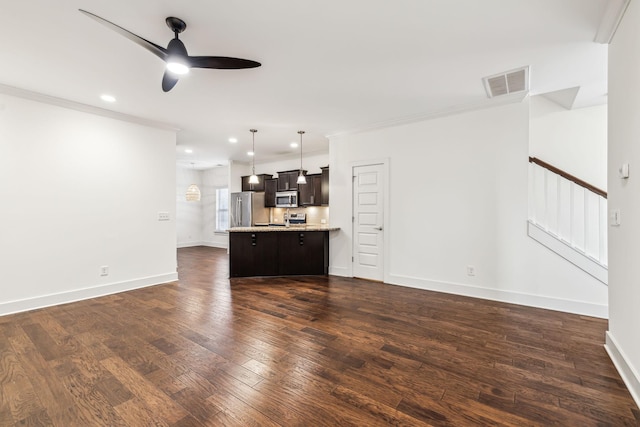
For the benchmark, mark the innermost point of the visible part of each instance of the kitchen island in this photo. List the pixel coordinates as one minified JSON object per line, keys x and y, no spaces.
{"x":279,"y":251}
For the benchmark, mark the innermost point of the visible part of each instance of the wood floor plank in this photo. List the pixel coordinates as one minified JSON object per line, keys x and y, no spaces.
{"x":50,"y":391}
{"x":136,"y":412}
{"x":140,"y":387}
{"x":376,"y":408}
{"x":23,"y":401}
{"x":90,"y":404}
{"x":243,"y":413}
{"x":303,"y":351}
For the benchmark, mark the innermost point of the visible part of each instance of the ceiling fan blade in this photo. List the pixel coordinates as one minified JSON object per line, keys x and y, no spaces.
{"x":158,"y":51}
{"x":168,"y":81}
{"x":222,"y":62}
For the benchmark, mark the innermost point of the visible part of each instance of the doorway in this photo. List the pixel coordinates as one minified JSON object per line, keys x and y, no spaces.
{"x":368,"y":221}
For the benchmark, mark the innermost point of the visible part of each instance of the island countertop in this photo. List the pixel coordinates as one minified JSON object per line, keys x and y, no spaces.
{"x":277,"y":228}
{"x":279,"y":251}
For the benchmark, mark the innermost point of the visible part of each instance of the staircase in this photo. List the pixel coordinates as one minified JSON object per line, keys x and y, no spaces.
{"x":569,"y":216}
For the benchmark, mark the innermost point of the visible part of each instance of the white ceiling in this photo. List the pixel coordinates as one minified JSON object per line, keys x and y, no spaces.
{"x":329,"y":66}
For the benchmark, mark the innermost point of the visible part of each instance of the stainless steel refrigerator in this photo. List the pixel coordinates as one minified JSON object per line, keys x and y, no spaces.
{"x":246,"y":209}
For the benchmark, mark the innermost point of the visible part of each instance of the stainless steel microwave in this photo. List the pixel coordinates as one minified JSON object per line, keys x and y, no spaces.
{"x":287,"y":199}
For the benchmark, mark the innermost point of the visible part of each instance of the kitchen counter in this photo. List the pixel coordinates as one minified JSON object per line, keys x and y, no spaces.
{"x":269,"y":228}
{"x":279,"y":251}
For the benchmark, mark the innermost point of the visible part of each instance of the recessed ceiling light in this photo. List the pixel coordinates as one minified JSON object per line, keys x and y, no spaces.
{"x":188,"y":150}
{"x":250,"y":153}
{"x":294,"y":145}
{"x":108,"y":98}
{"x":233,"y":140}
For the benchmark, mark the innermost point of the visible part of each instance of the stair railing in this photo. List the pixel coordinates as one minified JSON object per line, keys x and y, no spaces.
{"x":568,"y":208}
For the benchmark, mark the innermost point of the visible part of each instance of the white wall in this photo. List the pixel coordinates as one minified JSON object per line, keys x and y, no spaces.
{"x":81,"y":191}
{"x":572,"y":140}
{"x":236,"y":171}
{"x":213,"y":179}
{"x":188,"y":214}
{"x":196,"y":221}
{"x":310,"y":162}
{"x":458,"y":196}
{"x":624,"y":241}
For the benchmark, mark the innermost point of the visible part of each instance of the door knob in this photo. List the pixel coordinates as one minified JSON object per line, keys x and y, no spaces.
{"x":378,"y":228}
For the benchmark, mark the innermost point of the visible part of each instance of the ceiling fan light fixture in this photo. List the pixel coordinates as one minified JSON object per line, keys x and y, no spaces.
{"x":178,"y":62}
{"x":177,"y":67}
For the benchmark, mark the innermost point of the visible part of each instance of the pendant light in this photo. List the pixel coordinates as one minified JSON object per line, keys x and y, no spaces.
{"x":253,"y":179}
{"x":193,"y":192}
{"x":301,"y":178}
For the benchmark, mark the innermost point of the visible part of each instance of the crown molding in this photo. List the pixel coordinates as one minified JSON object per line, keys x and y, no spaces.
{"x":489,"y":103}
{"x":85,"y":108}
{"x":610,"y":20}
{"x":290,"y":156}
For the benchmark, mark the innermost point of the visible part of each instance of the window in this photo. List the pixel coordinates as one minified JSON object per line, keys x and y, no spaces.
{"x":222,"y":209}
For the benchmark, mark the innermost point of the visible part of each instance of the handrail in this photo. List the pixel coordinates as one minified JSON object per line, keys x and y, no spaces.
{"x":568,"y":176}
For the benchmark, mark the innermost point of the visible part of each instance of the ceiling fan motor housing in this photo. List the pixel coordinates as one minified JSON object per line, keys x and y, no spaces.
{"x":177,"y":25}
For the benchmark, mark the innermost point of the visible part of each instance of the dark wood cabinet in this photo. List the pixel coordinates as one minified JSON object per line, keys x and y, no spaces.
{"x":288,"y":180}
{"x":311,"y":192}
{"x":278,"y":253}
{"x":255,"y":187}
{"x":314,"y":193}
{"x":253,"y":254}
{"x":324,"y":187}
{"x":303,"y":253}
{"x":270,"y":188}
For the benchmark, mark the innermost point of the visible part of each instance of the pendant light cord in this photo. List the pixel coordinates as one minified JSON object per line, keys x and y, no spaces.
{"x":253,"y":150}
{"x":301,"y":132}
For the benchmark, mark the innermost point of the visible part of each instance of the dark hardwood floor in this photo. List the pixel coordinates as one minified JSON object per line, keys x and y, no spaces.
{"x":303,"y":351}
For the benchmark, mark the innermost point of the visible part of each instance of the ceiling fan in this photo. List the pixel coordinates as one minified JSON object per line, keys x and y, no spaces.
{"x":175,"y":55}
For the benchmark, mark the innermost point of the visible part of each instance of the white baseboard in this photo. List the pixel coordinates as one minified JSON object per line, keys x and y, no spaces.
{"x":216,"y":245}
{"x":82,"y":294}
{"x":569,"y":306}
{"x":339,"y":271}
{"x":625,"y":369}
{"x":207,"y":244}
{"x":189,"y":244}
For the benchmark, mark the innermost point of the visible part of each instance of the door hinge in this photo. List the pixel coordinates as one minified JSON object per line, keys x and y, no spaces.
{"x":352,"y":259}
{"x":353,"y":218}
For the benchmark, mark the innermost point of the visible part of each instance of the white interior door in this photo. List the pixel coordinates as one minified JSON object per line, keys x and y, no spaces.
{"x":368,"y":220}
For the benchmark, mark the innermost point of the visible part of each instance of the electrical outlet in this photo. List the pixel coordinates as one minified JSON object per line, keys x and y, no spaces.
{"x":104,"y":270}
{"x":163,"y":216}
{"x":471,"y":270}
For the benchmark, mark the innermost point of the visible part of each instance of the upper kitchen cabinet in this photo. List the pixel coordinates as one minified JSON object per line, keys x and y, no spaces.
{"x":270,"y":188}
{"x":311,"y":192}
{"x":324,"y":198}
{"x":288,"y":180}
{"x":255,"y":187}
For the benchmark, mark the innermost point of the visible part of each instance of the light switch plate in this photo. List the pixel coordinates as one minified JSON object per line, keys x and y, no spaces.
{"x":623,"y":171}
{"x":164,"y":216}
{"x":614,"y":217}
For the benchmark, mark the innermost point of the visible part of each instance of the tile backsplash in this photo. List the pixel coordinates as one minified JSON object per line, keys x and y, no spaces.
{"x":315,"y":214}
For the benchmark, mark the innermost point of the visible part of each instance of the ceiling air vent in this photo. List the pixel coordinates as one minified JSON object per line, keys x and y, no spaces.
{"x":506,"y":83}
